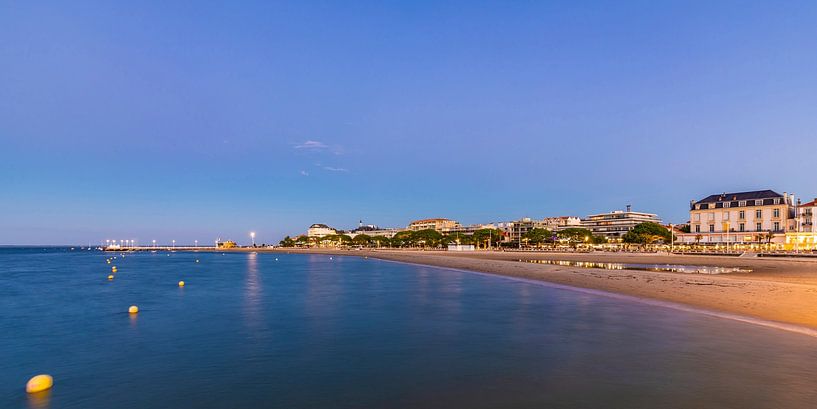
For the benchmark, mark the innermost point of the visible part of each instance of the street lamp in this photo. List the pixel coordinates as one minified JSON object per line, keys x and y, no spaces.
{"x":154,"y":243}
{"x":197,"y":242}
{"x":252,"y":236}
{"x":174,"y":244}
{"x":672,"y":238}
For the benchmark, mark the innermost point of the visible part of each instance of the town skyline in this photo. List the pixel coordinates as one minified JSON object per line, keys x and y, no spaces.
{"x":269,"y":117}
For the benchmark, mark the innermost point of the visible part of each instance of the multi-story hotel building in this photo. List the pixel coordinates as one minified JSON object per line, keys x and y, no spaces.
{"x":441,"y":225}
{"x":617,"y":223}
{"x":805,"y":236}
{"x":757,"y":217}
{"x":517,"y":228}
{"x":320,"y":230}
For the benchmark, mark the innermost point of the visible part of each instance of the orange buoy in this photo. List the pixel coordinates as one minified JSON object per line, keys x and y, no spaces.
{"x":39,"y":383}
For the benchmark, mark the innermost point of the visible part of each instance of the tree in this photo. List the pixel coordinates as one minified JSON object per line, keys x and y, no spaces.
{"x":598,"y":239}
{"x":401,"y":239}
{"x":488,"y":237}
{"x":575,"y":235}
{"x":336,"y":240}
{"x":647,"y":233}
{"x":362,"y":240}
{"x":287,"y":242}
{"x":381,"y":241}
{"x":456,"y":238}
{"x":537,"y":236}
{"x":427,"y":238}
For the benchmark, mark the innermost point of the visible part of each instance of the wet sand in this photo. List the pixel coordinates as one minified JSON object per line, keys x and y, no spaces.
{"x":782,"y":290}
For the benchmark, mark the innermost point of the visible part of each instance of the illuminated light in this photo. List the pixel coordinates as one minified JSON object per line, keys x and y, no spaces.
{"x":133,"y":309}
{"x":110,"y":277}
{"x":113,"y":269}
{"x":181,"y":283}
{"x":39,"y":383}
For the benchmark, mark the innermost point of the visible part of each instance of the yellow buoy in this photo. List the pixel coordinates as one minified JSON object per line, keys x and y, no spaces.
{"x":110,"y":277}
{"x":113,"y":269}
{"x":133,"y":309}
{"x":181,"y":283}
{"x":39,"y":383}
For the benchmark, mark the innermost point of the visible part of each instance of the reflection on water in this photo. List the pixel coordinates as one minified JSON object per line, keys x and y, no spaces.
{"x":668,"y":268}
{"x":39,"y":400}
{"x":253,"y":294}
{"x":307,"y":331}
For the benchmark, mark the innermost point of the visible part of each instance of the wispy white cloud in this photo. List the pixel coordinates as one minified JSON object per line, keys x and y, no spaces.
{"x":312,"y":145}
{"x":304,"y":173}
{"x":331,"y":169}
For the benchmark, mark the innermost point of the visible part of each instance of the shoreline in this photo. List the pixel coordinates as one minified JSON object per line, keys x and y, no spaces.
{"x":777,"y":293}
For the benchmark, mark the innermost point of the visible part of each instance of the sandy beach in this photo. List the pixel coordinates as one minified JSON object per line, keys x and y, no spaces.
{"x":782,"y":290}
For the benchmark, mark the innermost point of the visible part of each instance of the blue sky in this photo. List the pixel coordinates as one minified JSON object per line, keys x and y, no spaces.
{"x":195,"y":121}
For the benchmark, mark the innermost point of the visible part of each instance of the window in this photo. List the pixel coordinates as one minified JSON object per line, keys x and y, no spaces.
{"x":727,"y":204}
{"x":777,"y":200}
{"x":697,"y":228}
{"x":711,"y":228}
{"x":725,"y":215}
{"x":696,"y":217}
{"x":758,"y":227}
{"x":758,"y":202}
{"x":697,"y":206}
{"x":776,"y":213}
{"x":742,"y":203}
{"x":710,"y":216}
{"x":742,"y":214}
{"x":742,"y":227}
{"x":758,"y":214}
{"x":776,"y":226}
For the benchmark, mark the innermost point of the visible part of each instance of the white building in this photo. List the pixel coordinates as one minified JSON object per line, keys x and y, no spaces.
{"x":440,"y":225}
{"x":613,"y":225}
{"x":757,"y":217}
{"x":805,"y":235}
{"x":517,"y":228}
{"x":320,"y":230}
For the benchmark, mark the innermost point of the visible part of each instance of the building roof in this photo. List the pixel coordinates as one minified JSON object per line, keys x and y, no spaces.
{"x":810,"y":204}
{"x":430,"y":221}
{"x":319,"y":225}
{"x":754,"y":195}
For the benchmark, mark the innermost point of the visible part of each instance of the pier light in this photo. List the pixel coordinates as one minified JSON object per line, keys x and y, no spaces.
{"x":197,"y":242}
{"x":154,"y":243}
{"x":174,"y":243}
{"x":252,"y":236}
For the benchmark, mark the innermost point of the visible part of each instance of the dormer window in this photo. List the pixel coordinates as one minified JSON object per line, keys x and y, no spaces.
{"x":742,"y":203}
{"x":759,"y":202}
{"x":777,"y":200}
{"x":727,"y":204}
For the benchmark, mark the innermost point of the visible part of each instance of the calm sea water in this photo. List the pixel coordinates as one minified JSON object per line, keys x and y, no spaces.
{"x":309,"y":331}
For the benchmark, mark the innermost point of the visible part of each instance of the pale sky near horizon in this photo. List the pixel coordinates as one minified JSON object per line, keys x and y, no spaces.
{"x":185,"y":121}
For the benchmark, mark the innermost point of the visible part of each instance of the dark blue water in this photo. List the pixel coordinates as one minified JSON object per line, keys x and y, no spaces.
{"x":250,"y":331}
